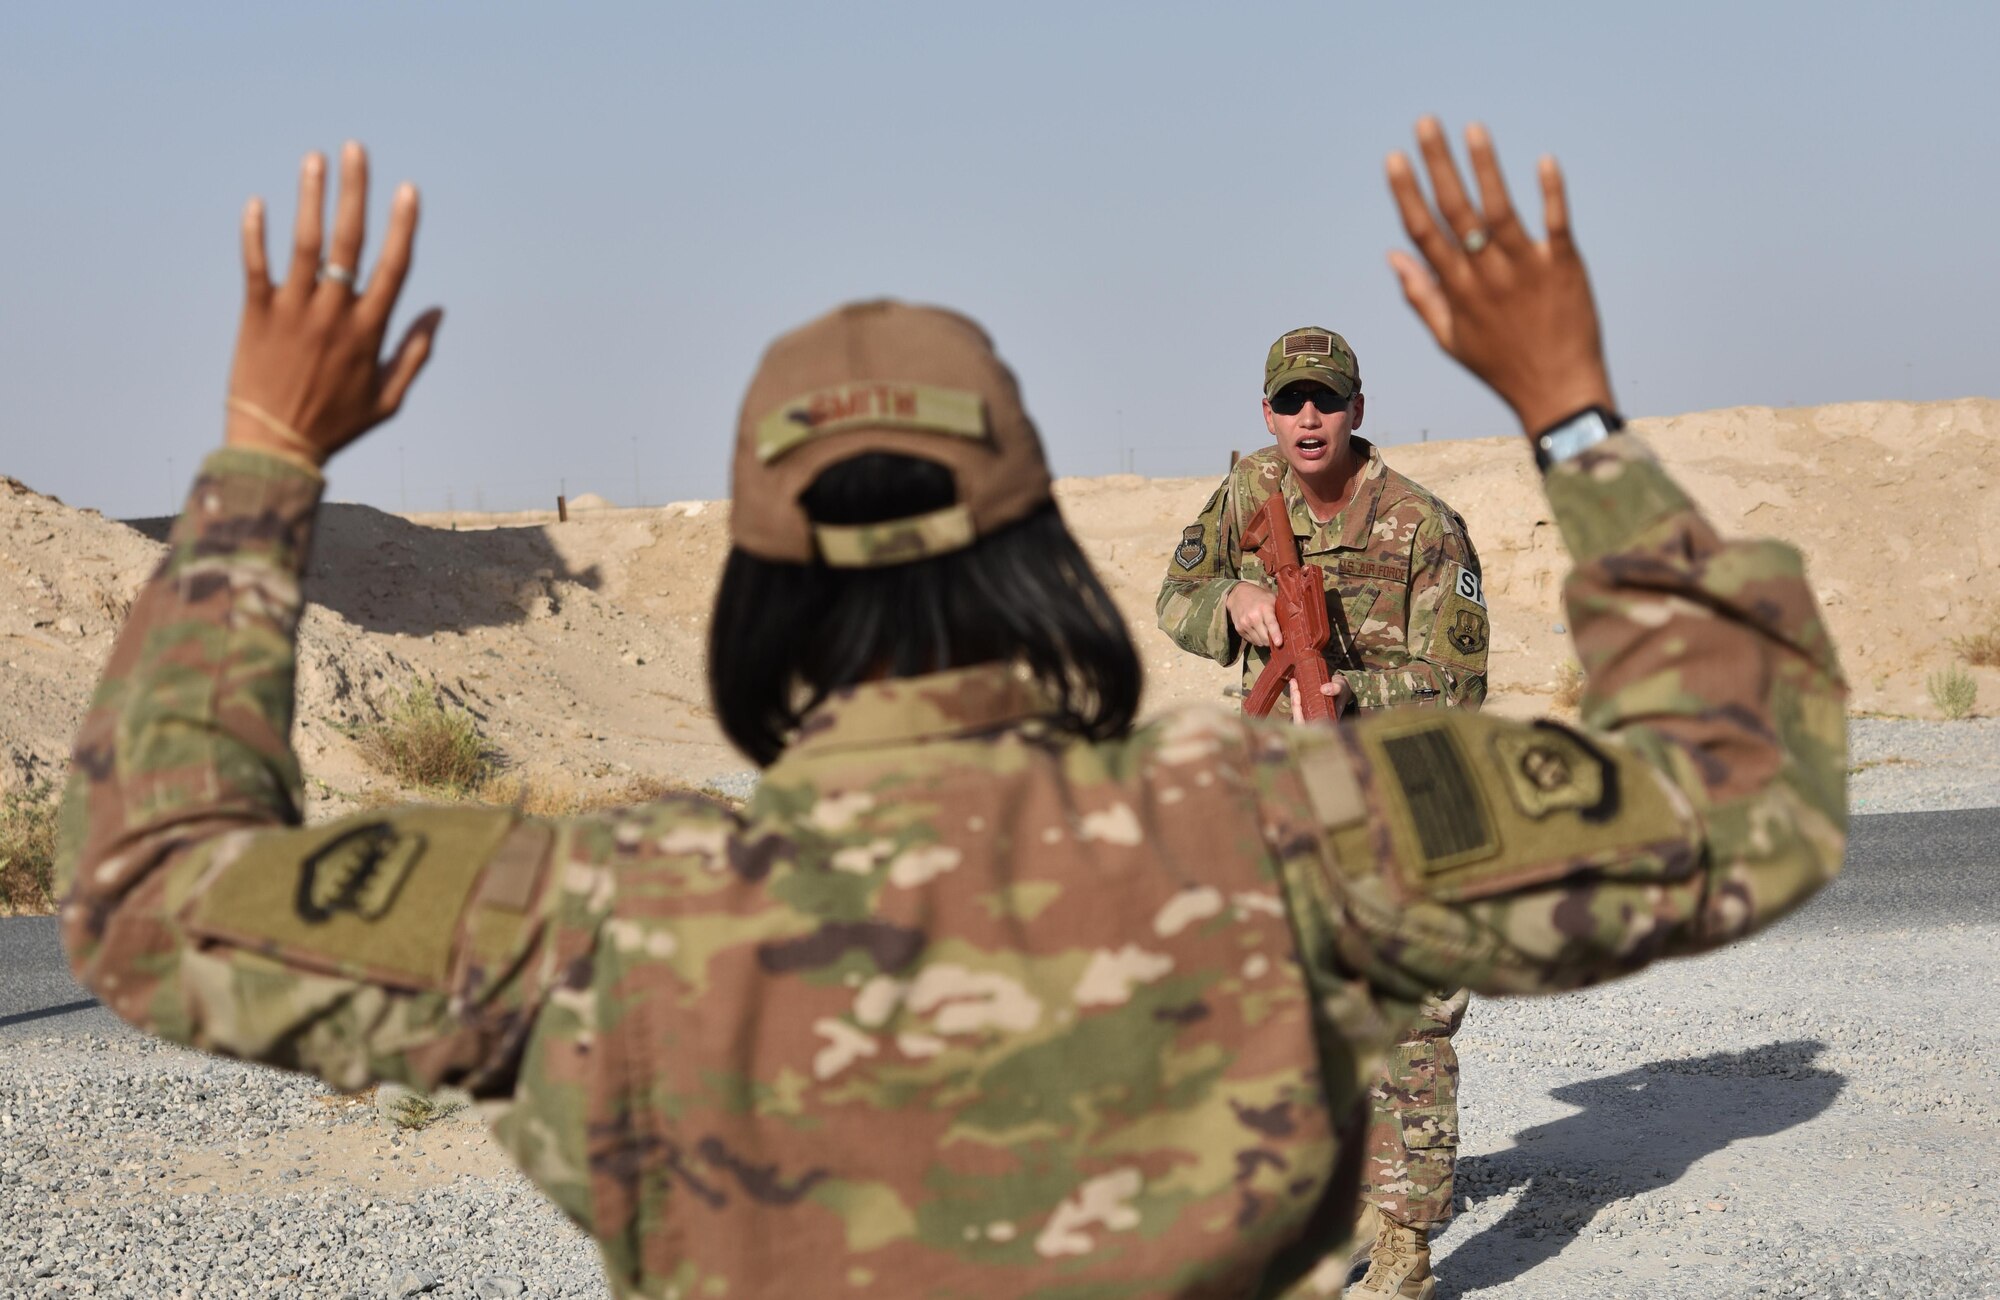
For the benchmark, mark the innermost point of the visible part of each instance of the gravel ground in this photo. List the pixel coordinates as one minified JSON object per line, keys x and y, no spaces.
{"x":1802,"y":1115}
{"x":1904,"y":764}
{"x":1809,"y":1114}
{"x":132,"y":1168}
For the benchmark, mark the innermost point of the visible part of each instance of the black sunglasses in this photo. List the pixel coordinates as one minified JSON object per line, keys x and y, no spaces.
{"x":1292,"y":400}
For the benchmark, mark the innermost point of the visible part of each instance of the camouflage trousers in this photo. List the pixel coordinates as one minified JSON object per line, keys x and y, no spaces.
{"x":1412,"y":1142}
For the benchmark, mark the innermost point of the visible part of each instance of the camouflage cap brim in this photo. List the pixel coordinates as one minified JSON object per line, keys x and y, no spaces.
{"x":1344,"y":385}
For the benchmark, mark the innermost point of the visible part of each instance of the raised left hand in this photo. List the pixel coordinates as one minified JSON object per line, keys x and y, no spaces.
{"x":309,"y":375}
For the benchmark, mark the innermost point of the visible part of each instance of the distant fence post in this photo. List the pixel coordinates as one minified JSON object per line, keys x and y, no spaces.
{"x":1234,"y":456}
{"x":562,"y":509}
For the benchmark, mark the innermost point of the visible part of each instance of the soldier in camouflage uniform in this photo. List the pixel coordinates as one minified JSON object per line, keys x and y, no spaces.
{"x":1402,"y":579}
{"x":1408,"y":613}
{"x":986,"y":992}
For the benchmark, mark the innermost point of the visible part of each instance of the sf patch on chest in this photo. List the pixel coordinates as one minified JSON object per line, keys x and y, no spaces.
{"x":369,"y":897}
{"x":1192,"y":550}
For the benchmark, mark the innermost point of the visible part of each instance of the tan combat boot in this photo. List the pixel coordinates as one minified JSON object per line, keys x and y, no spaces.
{"x":1399,"y":1265}
{"x":1361,"y":1243}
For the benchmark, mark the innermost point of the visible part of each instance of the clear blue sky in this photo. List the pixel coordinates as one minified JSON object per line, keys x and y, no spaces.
{"x":1782,"y":203}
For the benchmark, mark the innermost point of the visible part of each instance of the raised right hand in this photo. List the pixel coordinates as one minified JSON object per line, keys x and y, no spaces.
{"x":1253,"y":612}
{"x":309,"y":376}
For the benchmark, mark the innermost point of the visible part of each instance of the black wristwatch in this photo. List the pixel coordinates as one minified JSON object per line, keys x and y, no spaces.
{"x":1570,"y":435}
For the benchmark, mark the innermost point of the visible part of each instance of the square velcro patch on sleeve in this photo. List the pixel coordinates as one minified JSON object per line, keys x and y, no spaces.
{"x":1478,"y":806}
{"x":378,"y":896}
{"x":1438,"y":795}
{"x":1460,"y":632}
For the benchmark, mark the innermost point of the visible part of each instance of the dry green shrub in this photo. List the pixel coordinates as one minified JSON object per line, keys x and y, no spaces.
{"x":556,"y":796}
{"x":1981,"y":649}
{"x":1953,"y":691}
{"x":27,"y":851}
{"x":426,"y":741}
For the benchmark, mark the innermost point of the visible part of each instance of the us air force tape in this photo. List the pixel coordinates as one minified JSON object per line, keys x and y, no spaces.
{"x":374,"y":896}
{"x":1470,"y":806}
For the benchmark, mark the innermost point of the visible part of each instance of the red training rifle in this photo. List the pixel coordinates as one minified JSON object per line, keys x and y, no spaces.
{"x":1301,"y":618}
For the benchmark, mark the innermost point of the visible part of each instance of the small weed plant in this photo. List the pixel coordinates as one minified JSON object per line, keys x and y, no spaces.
{"x":27,"y":851}
{"x":426,"y":741}
{"x":1954,"y":691}
{"x":556,"y":796}
{"x":1569,"y":686}
{"x":1981,"y":649}
{"x":414,"y":1111}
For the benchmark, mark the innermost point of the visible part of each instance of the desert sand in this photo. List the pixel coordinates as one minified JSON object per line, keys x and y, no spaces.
{"x":580,"y":646}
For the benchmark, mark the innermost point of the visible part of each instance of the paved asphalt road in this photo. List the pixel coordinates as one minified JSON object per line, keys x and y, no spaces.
{"x":1902,"y":869}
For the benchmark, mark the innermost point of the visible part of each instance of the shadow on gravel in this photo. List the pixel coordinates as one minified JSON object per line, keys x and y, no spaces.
{"x":1638,"y":1131}
{"x":43,"y":1013}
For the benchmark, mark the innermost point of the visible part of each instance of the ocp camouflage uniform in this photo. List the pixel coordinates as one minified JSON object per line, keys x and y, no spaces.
{"x":1402,"y":579}
{"x":1405,"y":600}
{"x":962,"y":1004}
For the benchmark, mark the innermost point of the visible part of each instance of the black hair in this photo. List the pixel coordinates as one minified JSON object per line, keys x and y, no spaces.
{"x":785,"y":636}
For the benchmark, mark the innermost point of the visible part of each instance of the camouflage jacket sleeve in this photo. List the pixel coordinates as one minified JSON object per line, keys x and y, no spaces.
{"x":397,"y":945}
{"x":1203,"y":570}
{"x":1445,"y":629}
{"x":1704,"y":797}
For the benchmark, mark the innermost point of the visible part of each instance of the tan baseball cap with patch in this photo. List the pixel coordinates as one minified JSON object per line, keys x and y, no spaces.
{"x":882,"y":376}
{"x":1313,"y":355}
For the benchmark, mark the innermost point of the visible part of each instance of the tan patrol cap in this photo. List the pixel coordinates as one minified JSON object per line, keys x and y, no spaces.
{"x":882,"y":376}
{"x":1314,"y":355}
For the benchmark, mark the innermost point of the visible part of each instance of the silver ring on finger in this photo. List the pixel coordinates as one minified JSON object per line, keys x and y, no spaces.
{"x":337,"y":273}
{"x":1475,"y":240}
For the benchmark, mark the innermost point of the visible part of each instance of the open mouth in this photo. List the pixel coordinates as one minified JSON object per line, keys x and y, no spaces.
{"x":1311,"y":448}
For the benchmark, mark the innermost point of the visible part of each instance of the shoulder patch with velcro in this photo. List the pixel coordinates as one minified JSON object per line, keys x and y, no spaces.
{"x":1477,"y":806}
{"x":1193,"y":548}
{"x":377,"y":897}
{"x":1550,"y":768}
{"x":1460,"y":633}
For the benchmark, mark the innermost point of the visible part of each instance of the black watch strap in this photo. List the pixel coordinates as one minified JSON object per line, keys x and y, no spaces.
{"x":1569,"y":436}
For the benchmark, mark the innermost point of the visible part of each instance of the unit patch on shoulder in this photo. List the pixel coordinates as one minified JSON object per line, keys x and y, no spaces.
{"x":1479,"y":807}
{"x":1550,"y":769}
{"x":359,"y":873}
{"x":1459,"y":631}
{"x":1192,"y":550}
{"x":377,"y":898}
{"x":1467,"y":632}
